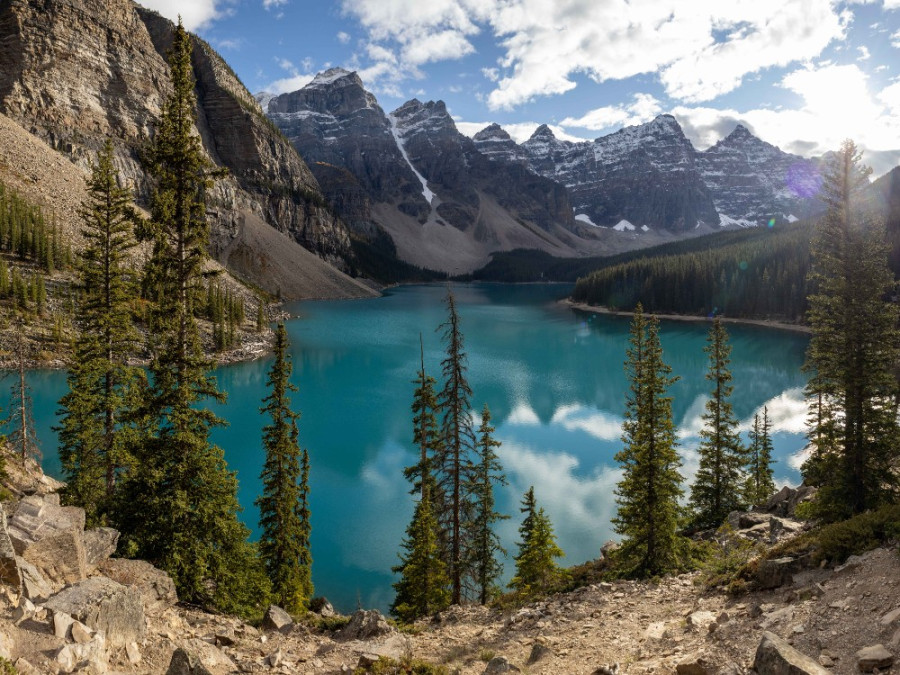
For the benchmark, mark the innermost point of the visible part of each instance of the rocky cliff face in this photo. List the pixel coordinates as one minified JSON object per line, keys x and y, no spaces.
{"x":74,"y":72}
{"x":646,"y":174}
{"x":752,"y":181}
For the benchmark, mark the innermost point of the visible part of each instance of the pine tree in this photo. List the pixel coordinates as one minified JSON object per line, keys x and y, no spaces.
{"x":718,"y":486}
{"x":178,"y":506}
{"x":760,"y":483}
{"x":102,"y":386}
{"x":485,"y":545}
{"x":647,"y":496}
{"x":536,"y":567}
{"x":854,"y":348}
{"x":453,"y":466}
{"x":424,"y":587}
{"x":426,"y":435}
{"x":283,"y":505}
{"x":22,"y":437}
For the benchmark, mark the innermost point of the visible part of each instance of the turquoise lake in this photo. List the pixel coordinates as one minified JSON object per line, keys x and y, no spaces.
{"x":552,"y":377}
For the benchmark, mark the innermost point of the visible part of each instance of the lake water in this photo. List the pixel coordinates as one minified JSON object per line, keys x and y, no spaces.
{"x":552,"y":377}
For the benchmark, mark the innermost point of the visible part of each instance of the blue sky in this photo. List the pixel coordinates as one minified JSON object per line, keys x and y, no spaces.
{"x":802,"y":74}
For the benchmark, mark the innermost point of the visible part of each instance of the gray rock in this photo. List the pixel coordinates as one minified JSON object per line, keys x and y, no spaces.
{"x":99,"y":544}
{"x":890,"y":617}
{"x":81,"y":633}
{"x":609,"y":669}
{"x":539,"y":652}
{"x":784,"y":502}
{"x":499,"y":664}
{"x":365,"y":624}
{"x":322,"y":607}
{"x":186,"y":663}
{"x":155,"y":586}
{"x":62,"y":622}
{"x":25,"y":667}
{"x":701,"y":620}
{"x":608,"y":548}
{"x":9,"y":570}
{"x":277,"y":619}
{"x":50,"y":537}
{"x":275,"y":658}
{"x":774,"y":656}
{"x":872,"y":657}
{"x":104,"y":605}
{"x":92,"y":652}
{"x":775,"y":573}
{"x":133,"y":653}
{"x":367,"y":660}
{"x":34,"y":585}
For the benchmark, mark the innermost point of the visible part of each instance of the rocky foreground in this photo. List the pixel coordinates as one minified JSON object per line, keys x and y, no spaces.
{"x":67,"y":606}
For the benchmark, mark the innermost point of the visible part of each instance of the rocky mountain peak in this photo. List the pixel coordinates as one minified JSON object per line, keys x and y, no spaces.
{"x":740,"y":134}
{"x":334,"y":76}
{"x":492,"y":132}
{"x":415,"y":117}
{"x":543,"y":133}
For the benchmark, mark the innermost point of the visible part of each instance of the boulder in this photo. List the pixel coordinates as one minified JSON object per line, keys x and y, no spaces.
{"x":875,"y":656}
{"x":365,"y":624}
{"x":62,"y":622}
{"x":774,"y":656}
{"x":155,"y":586}
{"x":72,"y":656}
{"x":99,"y":544}
{"x":890,"y":617}
{"x":784,"y":502}
{"x":499,"y":664}
{"x":104,"y":605}
{"x":701,"y":620}
{"x":775,"y":573}
{"x":322,"y":607}
{"x":367,"y":660}
{"x":277,"y":619}
{"x":34,"y":585}
{"x":9,"y":570}
{"x":50,"y":537}
{"x":608,"y":548}
{"x":184,"y":662}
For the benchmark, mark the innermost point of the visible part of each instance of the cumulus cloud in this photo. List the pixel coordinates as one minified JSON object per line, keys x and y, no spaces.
{"x":837,"y":104}
{"x":296,"y":79}
{"x":269,"y":4}
{"x":343,"y":37}
{"x":643,"y":108}
{"x":597,"y":423}
{"x":699,"y":55}
{"x":195,"y":14}
{"x":895,"y":39}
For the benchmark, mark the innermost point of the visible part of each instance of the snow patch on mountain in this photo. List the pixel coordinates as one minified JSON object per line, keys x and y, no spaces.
{"x":585,"y":218}
{"x":427,"y":193}
{"x":792,"y":218}
{"x":725,"y":221}
{"x":624,"y":226}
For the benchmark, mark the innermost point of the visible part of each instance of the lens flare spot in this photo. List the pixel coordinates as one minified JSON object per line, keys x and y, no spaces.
{"x":742,"y":264}
{"x":771,"y":222}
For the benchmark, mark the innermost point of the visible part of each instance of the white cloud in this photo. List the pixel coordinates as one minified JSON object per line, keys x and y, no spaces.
{"x":343,"y":37}
{"x":895,"y":39}
{"x":837,"y":104}
{"x":195,"y":14}
{"x":700,"y":52}
{"x":599,"y":424}
{"x":295,"y":80}
{"x":523,"y":415}
{"x":269,"y":4}
{"x":642,"y":109}
{"x":864,"y":54}
{"x":491,"y":73}
{"x":787,"y":413}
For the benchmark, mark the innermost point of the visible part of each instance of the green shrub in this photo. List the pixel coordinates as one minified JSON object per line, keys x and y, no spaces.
{"x":407,"y":665}
{"x":859,"y":534}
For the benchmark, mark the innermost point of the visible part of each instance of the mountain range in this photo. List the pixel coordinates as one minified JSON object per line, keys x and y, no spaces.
{"x":323,"y":184}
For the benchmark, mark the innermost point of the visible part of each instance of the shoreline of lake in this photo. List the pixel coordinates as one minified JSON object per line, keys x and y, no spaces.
{"x":765,"y":323}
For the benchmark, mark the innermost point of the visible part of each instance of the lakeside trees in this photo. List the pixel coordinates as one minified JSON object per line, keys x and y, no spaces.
{"x":718,"y":485}
{"x":854,"y":350}
{"x":760,"y":484}
{"x":536,"y":567}
{"x":647,"y":496}
{"x":284,"y":503}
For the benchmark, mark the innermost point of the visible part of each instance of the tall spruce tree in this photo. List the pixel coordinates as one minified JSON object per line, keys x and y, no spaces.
{"x":484,"y":569}
{"x":426,"y":435}
{"x":453,"y":466}
{"x":103,"y":387}
{"x":854,"y":348}
{"x":22,"y":436}
{"x":719,"y":484}
{"x":178,"y":505}
{"x":536,"y":567}
{"x":760,"y":483}
{"x":283,"y":505}
{"x":423,"y":587}
{"x":648,"y":494}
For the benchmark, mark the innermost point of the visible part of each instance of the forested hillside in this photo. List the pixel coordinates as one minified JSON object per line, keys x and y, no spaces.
{"x":760,"y":274}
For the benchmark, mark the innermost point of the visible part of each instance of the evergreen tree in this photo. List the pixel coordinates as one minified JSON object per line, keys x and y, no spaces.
{"x":647,"y":496}
{"x":424,"y":587}
{"x":102,"y":386}
{"x":760,"y":483}
{"x":453,"y":466}
{"x":426,"y":435}
{"x":22,"y":437}
{"x":482,"y":563}
{"x":283,"y":506}
{"x":854,"y":348}
{"x":720,"y":478}
{"x":536,"y":567}
{"x":178,"y":506}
